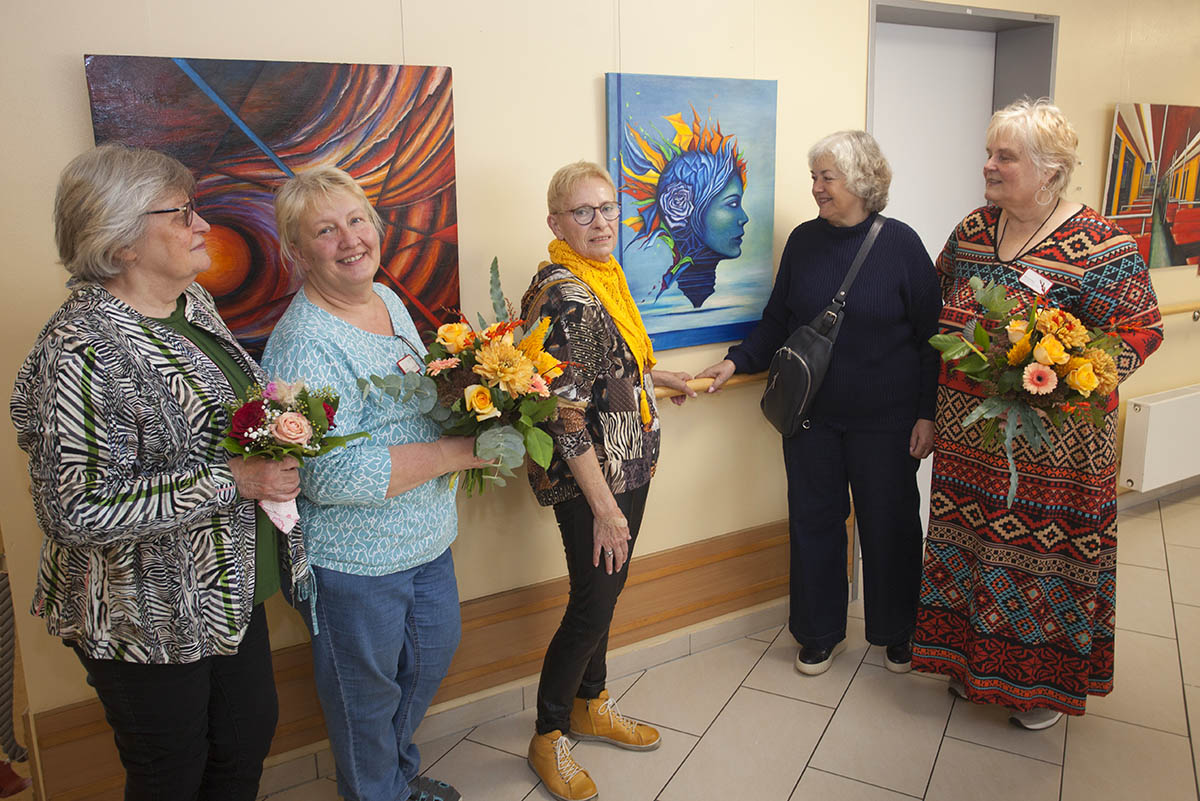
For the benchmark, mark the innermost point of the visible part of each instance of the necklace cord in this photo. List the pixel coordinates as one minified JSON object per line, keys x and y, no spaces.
{"x":1022,"y":251}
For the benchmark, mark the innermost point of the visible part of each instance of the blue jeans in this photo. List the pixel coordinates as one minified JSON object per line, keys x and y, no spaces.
{"x":385,"y":643}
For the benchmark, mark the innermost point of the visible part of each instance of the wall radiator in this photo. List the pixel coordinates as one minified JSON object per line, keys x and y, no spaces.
{"x":1162,"y":439}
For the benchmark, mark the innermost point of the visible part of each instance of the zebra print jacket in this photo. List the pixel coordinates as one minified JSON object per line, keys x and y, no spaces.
{"x":148,"y":553}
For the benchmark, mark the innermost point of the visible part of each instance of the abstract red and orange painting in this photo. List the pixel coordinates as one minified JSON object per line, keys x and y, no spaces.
{"x":243,"y":127}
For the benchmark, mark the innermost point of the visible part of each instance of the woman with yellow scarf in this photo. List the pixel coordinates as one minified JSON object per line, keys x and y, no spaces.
{"x":606,"y":440}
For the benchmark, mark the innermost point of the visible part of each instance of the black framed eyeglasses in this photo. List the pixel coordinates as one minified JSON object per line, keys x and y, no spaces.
{"x":585,"y":214}
{"x":188,"y":209}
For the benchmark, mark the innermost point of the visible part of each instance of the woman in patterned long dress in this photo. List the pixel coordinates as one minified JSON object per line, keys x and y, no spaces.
{"x":155,"y":563}
{"x":1018,"y":606}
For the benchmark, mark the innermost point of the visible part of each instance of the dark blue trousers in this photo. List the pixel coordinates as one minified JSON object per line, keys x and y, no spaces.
{"x":823,"y":462}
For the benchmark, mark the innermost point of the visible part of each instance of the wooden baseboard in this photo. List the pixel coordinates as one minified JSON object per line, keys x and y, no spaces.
{"x":504,"y":638}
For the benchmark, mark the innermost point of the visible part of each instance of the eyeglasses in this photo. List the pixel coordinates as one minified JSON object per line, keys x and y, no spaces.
{"x":188,"y":209}
{"x":585,"y":214}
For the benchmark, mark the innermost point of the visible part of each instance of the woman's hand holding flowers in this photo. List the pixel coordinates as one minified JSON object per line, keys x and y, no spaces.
{"x":263,"y":479}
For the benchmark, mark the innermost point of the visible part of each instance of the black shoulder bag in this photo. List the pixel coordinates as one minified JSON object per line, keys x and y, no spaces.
{"x":798,"y":368}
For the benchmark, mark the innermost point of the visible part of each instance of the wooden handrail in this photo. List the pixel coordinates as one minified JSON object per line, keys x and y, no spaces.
{"x":1191,"y":308}
{"x":702,"y":384}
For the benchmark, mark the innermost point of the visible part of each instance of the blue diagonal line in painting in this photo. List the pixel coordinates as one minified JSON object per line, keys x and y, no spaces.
{"x":230,"y":113}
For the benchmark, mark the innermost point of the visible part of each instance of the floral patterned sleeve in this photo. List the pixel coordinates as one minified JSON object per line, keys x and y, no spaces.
{"x":578,"y":339}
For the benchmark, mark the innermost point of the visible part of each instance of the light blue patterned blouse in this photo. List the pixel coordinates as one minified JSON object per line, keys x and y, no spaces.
{"x":349,"y":524}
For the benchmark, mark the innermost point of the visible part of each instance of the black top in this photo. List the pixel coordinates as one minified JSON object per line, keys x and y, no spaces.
{"x":883,"y":373}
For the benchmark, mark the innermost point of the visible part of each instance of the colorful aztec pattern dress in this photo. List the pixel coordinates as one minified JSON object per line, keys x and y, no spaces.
{"x":1020,"y":604}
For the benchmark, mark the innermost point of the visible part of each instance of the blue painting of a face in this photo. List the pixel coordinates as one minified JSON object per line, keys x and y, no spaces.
{"x":725,"y":220}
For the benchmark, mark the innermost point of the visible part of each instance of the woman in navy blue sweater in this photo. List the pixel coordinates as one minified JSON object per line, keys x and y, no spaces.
{"x":872,"y":418}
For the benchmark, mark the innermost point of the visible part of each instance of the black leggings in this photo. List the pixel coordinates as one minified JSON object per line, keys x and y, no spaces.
{"x":192,"y":732}
{"x":575,"y":664}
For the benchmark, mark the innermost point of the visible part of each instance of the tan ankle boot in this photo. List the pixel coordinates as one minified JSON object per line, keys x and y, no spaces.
{"x":550,"y":758}
{"x":598,"y":719}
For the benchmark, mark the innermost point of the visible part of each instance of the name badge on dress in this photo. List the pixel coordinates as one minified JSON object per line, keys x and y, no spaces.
{"x":408,"y":364}
{"x":1036,"y":281}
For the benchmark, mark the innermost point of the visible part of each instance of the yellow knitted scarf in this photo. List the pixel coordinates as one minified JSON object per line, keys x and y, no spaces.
{"x":607,"y":282}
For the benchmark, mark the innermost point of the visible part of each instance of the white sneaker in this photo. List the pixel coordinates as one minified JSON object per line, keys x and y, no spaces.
{"x":1036,"y":719}
{"x":814,"y":662}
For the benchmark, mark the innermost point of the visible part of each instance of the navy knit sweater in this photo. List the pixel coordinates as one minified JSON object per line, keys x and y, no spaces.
{"x":883,"y":372}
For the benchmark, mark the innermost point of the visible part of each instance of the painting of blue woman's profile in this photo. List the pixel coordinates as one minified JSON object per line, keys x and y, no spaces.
{"x":694,"y":164}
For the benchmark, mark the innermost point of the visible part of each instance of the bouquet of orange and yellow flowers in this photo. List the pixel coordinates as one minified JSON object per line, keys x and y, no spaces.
{"x":486,"y":384}
{"x":1036,"y":365}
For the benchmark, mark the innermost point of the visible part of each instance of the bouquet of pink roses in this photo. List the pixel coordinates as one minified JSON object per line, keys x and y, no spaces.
{"x":284,"y":419}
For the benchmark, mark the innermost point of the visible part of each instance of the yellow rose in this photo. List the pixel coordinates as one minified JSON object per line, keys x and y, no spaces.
{"x":1020,"y":351}
{"x":455,"y":337}
{"x":479,"y":400}
{"x":1082,"y":379}
{"x":1050,"y":351}
{"x":1016,"y":330}
{"x":501,"y":331}
{"x":1074,"y":363}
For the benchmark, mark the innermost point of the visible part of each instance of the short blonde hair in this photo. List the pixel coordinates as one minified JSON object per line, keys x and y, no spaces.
{"x":565,"y":179}
{"x":857,"y":155}
{"x":101,"y":203}
{"x":301,"y":192}
{"x":1044,"y":132}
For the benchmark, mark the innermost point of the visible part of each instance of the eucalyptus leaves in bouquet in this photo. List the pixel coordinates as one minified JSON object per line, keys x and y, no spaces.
{"x":485,"y":384}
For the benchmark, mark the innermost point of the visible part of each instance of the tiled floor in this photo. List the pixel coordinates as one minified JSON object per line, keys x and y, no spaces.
{"x":739,"y":723}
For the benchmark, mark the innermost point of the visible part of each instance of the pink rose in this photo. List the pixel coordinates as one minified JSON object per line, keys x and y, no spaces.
{"x":291,"y":428}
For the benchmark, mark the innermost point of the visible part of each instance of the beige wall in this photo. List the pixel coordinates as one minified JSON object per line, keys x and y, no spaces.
{"x":528,"y":84}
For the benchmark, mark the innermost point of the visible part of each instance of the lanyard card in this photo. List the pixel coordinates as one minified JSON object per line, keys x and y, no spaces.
{"x":1036,"y":281}
{"x":408,"y":364}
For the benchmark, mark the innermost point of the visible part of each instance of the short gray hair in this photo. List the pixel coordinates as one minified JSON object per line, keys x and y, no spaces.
{"x":101,"y":203}
{"x":857,"y":155}
{"x":301,"y":192}
{"x":1044,"y":132}
{"x":566,"y":178}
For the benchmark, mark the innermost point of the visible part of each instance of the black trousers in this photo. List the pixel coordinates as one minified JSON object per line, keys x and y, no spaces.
{"x":192,"y":732}
{"x":822,"y":462}
{"x":575,"y":663}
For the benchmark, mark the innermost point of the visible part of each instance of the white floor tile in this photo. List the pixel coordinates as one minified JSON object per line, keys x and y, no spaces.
{"x":776,"y":671}
{"x":288,"y":774}
{"x":1108,"y":760}
{"x":687,"y":694}
{"x":1181,"y":523}
{"x":463,"y":717}
{"x":817,"y":785}
{"x":757,"y":748}
{"x":1184,"y":566}
{"x":510,"y":734}
{"x":1189,"y":495}
{"x":1140,"y":540}
{"x":988,"y":724}
{"x":767,"y":635}
{"x":738,"y":626}
{"x":1192,"y":694}
{"x":434,"y":750}
{"x":315,"y":790}
{"x":634,"y":775}
{"x":1147,"y":687}
{"x":1144,"y":601}
{"x":1187,"y":624}
{"x":887,"y":730}
{"x":480,"y":772}
{"x":967,"y":770}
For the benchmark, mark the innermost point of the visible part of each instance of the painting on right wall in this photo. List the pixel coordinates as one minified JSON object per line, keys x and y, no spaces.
{"x":1152,"y":191}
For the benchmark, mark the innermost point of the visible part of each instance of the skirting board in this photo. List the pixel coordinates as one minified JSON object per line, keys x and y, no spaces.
{"x":504,"y":639}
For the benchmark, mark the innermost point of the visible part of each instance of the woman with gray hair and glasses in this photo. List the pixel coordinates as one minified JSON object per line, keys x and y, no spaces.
{"x":871,"y":421}
{"x":156,"y":560}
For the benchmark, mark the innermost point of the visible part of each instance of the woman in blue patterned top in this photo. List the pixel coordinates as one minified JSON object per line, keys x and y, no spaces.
{"x":379,"y":515}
